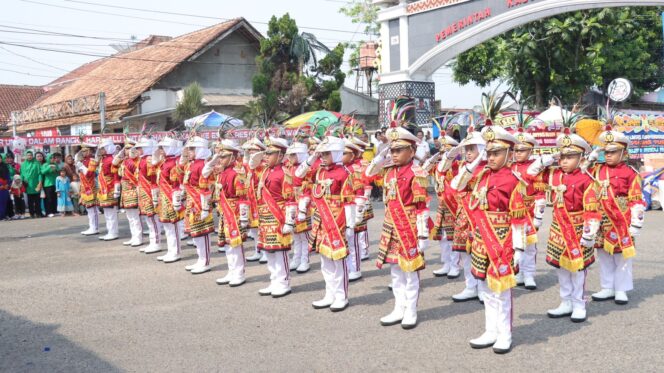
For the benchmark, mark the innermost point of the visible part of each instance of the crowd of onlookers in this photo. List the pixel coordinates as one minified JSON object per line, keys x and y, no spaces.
{"x":38,"y":186}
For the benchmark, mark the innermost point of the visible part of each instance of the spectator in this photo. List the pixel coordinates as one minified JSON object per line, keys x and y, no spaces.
{"x":422,"y":152}
{"x":50,"y":171}
{"x":62,"y":188}
{"x":13,"y":170}
{"x":370,"y":150}
{"x":69,"y":166}
{"x":32,"y":180}
{"x":381,"y":143}
{"x":75,"y":194}
{"x":16,"y":196}
{"x":5,"y":182}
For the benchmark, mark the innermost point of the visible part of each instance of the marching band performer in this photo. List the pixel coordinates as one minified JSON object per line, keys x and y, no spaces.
{"x":405,"y":231}
{"x":277,"y":212}
{"x":623,"y":210}
{"x":535,"y":201}
{"x":443,"y":228}
{"x":230,"y":193}
{"x":86,"y":167}
{"x":473,"y":147}
{"x":198,"y":209}
{"x":109,"y":187}
{"x":333,"y":220}
{"x":364,"y":207}
{"x":251,"y":147}
{"x":576,"y":220}
{"x":127,"y":161}
{"x":169,"y":180}
{"x":148,"y":192}
{"x":297,"y":154}
{"x":499,"y":213}
{"x":351,"y":154}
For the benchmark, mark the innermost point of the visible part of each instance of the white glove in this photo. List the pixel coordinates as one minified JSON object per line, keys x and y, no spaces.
{"x":244,"y":215}
{"x":205,"y":214}
{"x":377,"y":163}
{"x":184,"y":158}
{"x":256,"y":159}
{"x":117,"y":191}
{"x":518,"y":236}
{"x":422,"y":225}
{"x":350,"y":232}
{"x":586,"y":242}
{"x":205,"y":207}
{"x":471,"y":167}
{"x":209,"y":165}
{"x":80,"y":167}
{"x":517,"y":256}
{"x":303,"y":168}
{"x":637,"y":214}
{"x":98,"y":154}
{"x":79,"y":156}
{"x":301,"y":216}
{"x":155,"y":196}
{"x":350,"y":211}
{"x":156,"y":157}
{"x":594,"y":155}
{"x":540,"y":205}
{"x":421,"y":245}
{"x":431,"y":161}
{"x":302,"y":207}
{"x":634,"y":232}
{"x":360,"y":208}
{"x":454,"y":152}
{"x":177,"y":200}
{"x":287,"y":229}
{"x":119,"y":157}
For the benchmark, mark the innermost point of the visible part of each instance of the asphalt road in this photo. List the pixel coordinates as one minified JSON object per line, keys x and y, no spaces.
{"x":70,"y":303}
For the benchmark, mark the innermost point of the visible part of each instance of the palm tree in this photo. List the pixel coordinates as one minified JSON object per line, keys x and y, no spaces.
{"x":191,"y":104}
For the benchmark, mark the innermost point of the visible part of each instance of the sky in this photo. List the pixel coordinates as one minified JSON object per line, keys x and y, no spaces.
{"x":30,"y":64}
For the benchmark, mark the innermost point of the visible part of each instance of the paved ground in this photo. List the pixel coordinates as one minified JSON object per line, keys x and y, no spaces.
{"x":71,"y":303}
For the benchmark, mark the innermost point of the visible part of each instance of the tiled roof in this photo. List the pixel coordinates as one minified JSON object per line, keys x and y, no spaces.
{"x":124,"y":77}
{"x":16,"y":97}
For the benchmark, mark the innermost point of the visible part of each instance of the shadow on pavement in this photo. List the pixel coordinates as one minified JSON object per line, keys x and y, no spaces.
{"x":26,"y":346}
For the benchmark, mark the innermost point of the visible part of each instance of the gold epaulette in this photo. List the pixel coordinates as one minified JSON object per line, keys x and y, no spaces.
{"x":419,"y":171}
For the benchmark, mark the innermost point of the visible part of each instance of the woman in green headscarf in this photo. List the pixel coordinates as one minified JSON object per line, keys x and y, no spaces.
{"x":31,"y":176}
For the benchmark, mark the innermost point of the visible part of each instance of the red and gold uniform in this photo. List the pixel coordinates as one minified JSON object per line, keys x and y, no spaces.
{"x":297,"y":155}
{"x":148,"y":192}
{"x":127,"y":160}
{"x":251,"y":146}
{"x":109,"y":188}
{"x":86,"y":167}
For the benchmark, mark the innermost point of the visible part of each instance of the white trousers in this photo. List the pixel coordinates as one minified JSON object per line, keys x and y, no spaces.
{"x":615,"y":272}
{"x":471,"y":281}
{"x":362,"y":239}
{"x":93,"y":218}
{"x":497,"y":310}
{"x":135,"y":226}
{"x":235,"y":259}
{"x":253,"y":233}
{"x":181,"y":229}
{"x":572,"y":286}
{"x":111,"y":217}
{"x":277,"y":264}
{"x":154,"y":227}
{"x":405,"y":287}
{"x":527,"y":263}
{"x":335,"y":274}
{"x":172,"y":239}
{"x":202,"y":244}
{"x":301,"y":247}
{"x":353,"y":259}
{"x":447,"y":255}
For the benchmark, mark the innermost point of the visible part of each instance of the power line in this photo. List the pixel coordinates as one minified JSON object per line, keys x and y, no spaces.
{"x":32,"y":59}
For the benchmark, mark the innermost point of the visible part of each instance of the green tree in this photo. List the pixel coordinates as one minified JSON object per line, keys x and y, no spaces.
{"x":566,"y":55}
{"x":296,"y":73}
{"x":191,"y":104}
{"x":363,"y":13}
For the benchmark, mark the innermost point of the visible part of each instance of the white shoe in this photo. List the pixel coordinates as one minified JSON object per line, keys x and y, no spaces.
{"x":127,"y":243}
{"x":604,"y":294}
{"x":503,"y":344}
{"x":221,"y":249}
{"x":487,"y":339}
{"x":354,"y":276}
{"x":161,"y":257}
{"x":200,"y":269}
{"x":142,"y":249}
{"x":564,"y":309}
{"x":224,"y":280}
{"x":236,"y":282}
{"x":171,"y":259}
{"x":89,"y":232}
{"x":265,"y":291}
{"x":254,"y":257}
{"x":409,"y":320}
{"x":323,"y":303}
{"x":191,"y":266}
{"x":519,"y":279}
{"x":294,"y":263}
{"x":529,"y":283}
{"x":281,"y":293}
{"x":191,"y":243}
{"x":136,"y":244}
{"x":621,"y":297}
{"x":152,"y":249}
{"x":303,"y":267}
{"x":263,"y":258}
{"x":480,"y":296}
{"x":394,"y":317}
{"x":466,"y":295}
{"x":109,"y":237}
{"x":443,"y":271}
{"x":454,"y":273}
{"x":579,"y":315}
{"x":338,"y":305}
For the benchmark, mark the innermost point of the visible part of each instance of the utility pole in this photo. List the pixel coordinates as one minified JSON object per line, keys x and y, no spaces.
{"x":102,"y":111}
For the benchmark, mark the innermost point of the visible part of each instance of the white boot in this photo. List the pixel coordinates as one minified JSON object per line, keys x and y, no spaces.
{"x":503,"y":344}
{"x":265,"y":291}
{"x":487,"y":339}
{"x":323,"y":303}
{"x":224,"y":280}
{"x":564,"y":309}
{"x":354,"y":276}
{"x":604,"y":294}
{"x":454,"y":273}
{"x":519,"y":279}
{"x":395,"y":317}
{"x":161,"y":257}
{"x":303,"y":267}
{"x":202,"y":268}
{"x":529,"y":283}
{"x":89,"y":232}
{"x":192,"y":266}
{"x":263,"y":258}
{"x":466,"y":295}
{"x":339,"y":305}
{"x":621,"y":297}
{"x":579,"y":314}
{"x":295,"y":260}
{"x":152,"y":249}
{"x":443,"y":271}
{"x":409,"y":320}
